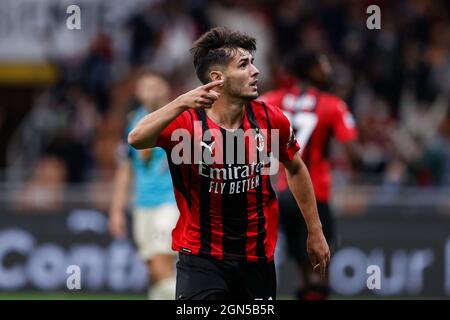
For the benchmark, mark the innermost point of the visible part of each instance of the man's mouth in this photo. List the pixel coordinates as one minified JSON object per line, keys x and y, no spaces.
{"x":254,"y":83}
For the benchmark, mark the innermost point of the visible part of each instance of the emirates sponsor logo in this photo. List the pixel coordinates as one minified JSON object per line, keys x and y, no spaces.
{"x":232,"y":172}
{"x":243,"y":178}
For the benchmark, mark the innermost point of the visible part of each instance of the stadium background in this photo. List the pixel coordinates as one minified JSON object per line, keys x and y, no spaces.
{"x":65,"y":94}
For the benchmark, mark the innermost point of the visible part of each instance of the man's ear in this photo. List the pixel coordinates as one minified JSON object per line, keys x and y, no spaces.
{"x":216,"y":75}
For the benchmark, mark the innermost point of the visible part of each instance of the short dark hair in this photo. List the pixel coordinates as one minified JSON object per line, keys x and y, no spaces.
{"x":301,"y":61}
{"x":218,"y":46}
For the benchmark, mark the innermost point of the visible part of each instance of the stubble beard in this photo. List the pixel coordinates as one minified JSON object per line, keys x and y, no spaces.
{"x":237,"y":92}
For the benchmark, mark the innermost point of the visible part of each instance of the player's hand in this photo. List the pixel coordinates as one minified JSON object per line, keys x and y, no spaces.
{"x":318,"y":251}
{"x":202,"y":96}
{"x":117,"y":224}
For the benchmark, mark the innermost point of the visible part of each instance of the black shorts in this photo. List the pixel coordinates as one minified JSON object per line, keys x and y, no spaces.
{"x":207,"y":278}
{"x":294,"y":228}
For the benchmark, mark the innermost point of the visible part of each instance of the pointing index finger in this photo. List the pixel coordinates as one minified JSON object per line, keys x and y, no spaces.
{"x":212,"y":84}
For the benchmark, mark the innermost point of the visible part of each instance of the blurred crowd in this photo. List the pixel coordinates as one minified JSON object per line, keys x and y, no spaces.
{"x":396,"y":81}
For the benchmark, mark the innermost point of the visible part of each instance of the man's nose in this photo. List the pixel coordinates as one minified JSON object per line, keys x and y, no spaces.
{"x":255,"y":71}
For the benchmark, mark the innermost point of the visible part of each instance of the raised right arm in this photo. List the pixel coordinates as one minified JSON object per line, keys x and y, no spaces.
{"x":148,"y":129}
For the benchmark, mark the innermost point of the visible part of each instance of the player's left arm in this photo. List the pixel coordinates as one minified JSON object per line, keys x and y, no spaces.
{"x":344,"y":128}
{"x":301,"y":187}
{"x":354,"y":154}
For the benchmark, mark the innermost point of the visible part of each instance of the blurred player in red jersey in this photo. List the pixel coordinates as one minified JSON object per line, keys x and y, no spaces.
{"x":317,"y":117}
{"x":227,"y":230}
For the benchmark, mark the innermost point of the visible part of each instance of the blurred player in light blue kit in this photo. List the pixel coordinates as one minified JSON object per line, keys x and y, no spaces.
{"x":154,"y":210}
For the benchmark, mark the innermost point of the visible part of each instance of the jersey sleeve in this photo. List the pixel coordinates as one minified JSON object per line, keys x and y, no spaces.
{"x":344,"y":127}
{"x":288,"y":142}
{"x":183,"y":121}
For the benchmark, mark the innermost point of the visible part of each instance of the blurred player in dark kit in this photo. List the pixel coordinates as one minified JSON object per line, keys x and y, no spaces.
{"x":316,"y":117}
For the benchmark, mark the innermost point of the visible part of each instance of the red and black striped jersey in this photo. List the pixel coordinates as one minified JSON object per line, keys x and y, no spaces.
{"x":228,"y":208}
{"x":316,"y":117}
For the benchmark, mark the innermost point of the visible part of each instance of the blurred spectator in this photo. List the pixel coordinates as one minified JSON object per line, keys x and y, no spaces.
{"x":143,"y":37}
{"x":45,"y":189}
{"x":96,"y":70}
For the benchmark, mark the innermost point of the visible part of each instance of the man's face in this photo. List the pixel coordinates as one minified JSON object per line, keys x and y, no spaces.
{"x":241,"y":76}
{"x":152,"y":91}
{"x":323,"y":74}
